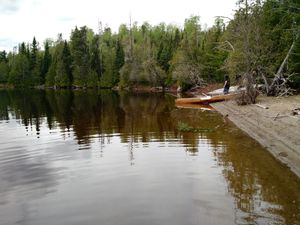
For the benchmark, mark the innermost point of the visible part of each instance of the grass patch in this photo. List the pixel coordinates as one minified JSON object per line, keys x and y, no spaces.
{"x":183,"y":127}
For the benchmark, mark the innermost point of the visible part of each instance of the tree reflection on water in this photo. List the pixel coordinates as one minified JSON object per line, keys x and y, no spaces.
{"x":264,"y":191}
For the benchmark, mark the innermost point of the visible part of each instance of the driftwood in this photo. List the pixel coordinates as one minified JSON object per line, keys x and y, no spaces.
{"x":279,"y":72}
{"x":276,"y":116}
{"x":262,"y":106}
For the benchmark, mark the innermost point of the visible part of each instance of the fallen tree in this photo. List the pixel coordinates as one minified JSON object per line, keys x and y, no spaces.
{"x":279,"y":85}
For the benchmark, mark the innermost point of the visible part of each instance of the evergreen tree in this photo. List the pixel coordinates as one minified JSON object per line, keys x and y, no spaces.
{"x":46,"y":62}
{"x":35,"y":66}
{"x":56,"y":52}
{"x":108,"y":44}
{"x":63,"y":73}
{"x":33,"y":53}
{"x":258,"y":38}
{"x":4,"y":69}
{"x":3,"y":56}
{"x":80,"y":53}
{"x":188,"y":61}
{"x":120,"y":57}
{"x":214,"y":54}
{"x":96,"y":59}
{"x":23,"y":49}
{"x":164,"y":55}
{"x":4,"y":72}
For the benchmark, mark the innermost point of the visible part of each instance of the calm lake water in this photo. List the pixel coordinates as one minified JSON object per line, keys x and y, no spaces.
{"x":99,"y":157}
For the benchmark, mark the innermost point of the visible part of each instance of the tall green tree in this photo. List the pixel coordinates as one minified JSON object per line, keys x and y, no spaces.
{"x":96,"y":58}
{"x":46,"y":62}
{"x":4,"y":72}
{"x":110,"y":76}
{"x":4,"y":69}
{"x":35,"y":65}
{"x":63,"y":73}
{"x":214,"y":53}
{"x":20,"y":71}
{"x":120,"y":56}
{"x":81,"y":57}
{"x":55,"y":58}
{"x":187,"y":63}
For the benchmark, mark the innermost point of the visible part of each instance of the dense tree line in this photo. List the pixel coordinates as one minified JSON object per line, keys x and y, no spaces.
{"x":256,"y":41}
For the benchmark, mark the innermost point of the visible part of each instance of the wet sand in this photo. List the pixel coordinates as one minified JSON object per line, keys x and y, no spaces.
{"x":275,"y":128}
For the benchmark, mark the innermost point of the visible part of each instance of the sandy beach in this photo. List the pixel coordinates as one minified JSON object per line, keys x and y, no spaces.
{"x":270,"y":122}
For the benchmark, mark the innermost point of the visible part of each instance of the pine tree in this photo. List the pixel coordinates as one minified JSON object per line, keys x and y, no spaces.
{"x":80,"y":52}
{"x":35,"y":68}
{"x":120,"y":57}
{"x":46,"y":62}
{"x":63,"y":73}
{"x":96,"y":62}
{"x":4,"y":69}
{"x":33,"y":54}
{"x":22,"y":49}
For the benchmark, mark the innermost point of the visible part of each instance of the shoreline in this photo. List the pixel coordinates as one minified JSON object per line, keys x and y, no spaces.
{"x":273,"y":126}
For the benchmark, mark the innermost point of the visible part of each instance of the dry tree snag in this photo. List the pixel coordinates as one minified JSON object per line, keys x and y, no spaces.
{"x":279,"y":85}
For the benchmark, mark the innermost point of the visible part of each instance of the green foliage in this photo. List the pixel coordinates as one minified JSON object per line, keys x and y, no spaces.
{"x":257,"y":38}
{"x":92,"y":79}
{"x":96,"y":59}
{"x":3,"y":56}
{"x":20,"y":71}
{"x":50,"y":76}
{"x":22,"y":49}
{"x":120,"y":56}
{"x":4,"y":68}
{"x":81,"y":57}
{"x":60,"y":72}
{"x":34,"y":76}
{"x":63,"y":76}
{"x":187,"y":62}
{"x":125,"y":74}
{"x":34,"y":52}
{"x":155,"y":74}
{"x":46,"y":62}
{"x":4,"y":72}
{"x":183,"y":127}
{"x":214,"y":56}
{"x":261,"y":35}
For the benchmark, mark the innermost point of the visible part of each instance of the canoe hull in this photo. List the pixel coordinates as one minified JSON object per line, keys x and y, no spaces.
{"x":204,"y":100}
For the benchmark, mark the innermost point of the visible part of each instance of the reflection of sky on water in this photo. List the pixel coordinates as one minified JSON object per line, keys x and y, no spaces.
{"x":115,"y":175}
{"x":85,"y":158}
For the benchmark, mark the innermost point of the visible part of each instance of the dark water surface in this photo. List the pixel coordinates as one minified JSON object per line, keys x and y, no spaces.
{"x":102,"y":158}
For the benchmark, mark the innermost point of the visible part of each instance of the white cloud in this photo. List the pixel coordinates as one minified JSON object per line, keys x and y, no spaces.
{"x":45,"y":19}
{"x":9,"y":6}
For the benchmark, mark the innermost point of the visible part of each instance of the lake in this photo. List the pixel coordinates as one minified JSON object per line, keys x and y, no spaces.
{"x":108,"y":158}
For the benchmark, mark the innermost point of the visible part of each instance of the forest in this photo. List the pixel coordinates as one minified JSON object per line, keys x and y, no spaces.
{"x":262,"y":39}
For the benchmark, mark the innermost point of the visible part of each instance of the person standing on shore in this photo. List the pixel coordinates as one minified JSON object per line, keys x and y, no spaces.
{"x":226,"y":84}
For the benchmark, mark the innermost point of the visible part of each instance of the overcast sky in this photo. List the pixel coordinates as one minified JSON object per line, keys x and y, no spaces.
{"x":20,"y":20}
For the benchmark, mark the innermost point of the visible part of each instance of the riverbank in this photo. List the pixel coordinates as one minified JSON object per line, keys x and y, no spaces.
{"x":271,"y":122}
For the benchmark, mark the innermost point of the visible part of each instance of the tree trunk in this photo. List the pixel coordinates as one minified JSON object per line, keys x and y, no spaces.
{"x":279,"y":83}
{"x":279,"y":72}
